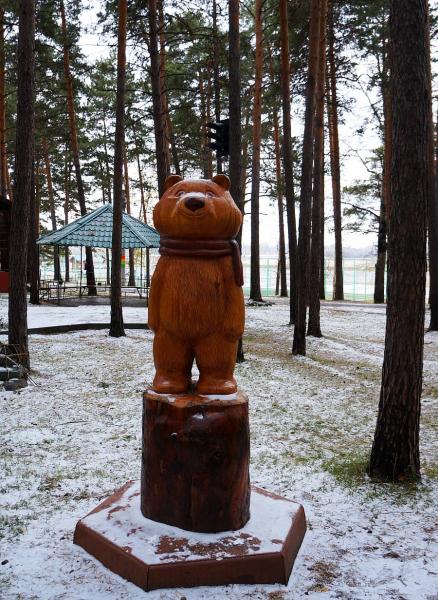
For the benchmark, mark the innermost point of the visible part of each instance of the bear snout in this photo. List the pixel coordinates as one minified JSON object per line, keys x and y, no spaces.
{"x":193,"y":203}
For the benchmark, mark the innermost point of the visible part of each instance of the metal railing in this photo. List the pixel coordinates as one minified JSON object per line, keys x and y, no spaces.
{"x":358,"y":276}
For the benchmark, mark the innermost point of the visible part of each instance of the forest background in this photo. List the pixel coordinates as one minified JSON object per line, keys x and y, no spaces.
{"x":193,"y":54}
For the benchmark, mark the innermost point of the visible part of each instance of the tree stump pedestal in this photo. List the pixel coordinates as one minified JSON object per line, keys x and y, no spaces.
{"x":191,"y":520}
{"x":195,"y":461}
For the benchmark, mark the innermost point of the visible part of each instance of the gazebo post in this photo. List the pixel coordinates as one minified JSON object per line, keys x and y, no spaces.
{"x":80,"y":278}
{"x":148,"y":274}
{"x":108,"y":274}
{"x":39,"y":273}
{"x":141,"y":268}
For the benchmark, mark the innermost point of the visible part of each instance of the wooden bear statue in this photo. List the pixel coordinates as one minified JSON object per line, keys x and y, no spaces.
{"x":196,"y":306}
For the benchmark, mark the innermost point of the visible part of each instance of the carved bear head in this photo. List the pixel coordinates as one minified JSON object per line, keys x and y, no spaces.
{"x":197,"y":209}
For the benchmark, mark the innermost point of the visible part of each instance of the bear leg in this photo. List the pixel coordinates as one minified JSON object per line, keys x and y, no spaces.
{"x":173,"y":360}
{"x":216,"y":357}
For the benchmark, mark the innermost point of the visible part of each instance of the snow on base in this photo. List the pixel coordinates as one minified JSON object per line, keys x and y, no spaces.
{"x":153,"y":543}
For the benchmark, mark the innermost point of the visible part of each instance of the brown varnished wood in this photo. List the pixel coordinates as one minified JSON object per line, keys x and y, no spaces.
{"x":196,"y":308}
{"x":195,"y":461}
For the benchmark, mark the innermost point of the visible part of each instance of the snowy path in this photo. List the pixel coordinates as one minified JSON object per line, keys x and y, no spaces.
{"x":76,"y":437}
{"x":48,"y":314}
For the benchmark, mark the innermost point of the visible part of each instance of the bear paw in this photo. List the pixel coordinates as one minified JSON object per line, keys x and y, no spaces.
{"x":170,"y":385}
{"x":209,"y":385}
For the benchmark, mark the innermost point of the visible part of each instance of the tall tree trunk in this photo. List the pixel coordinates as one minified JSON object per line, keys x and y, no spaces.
{"x":314,"y":326}
{"x":322,"y":253}
{"x":299,"y":342}
{"x":33,"y":255}
{"x":335,"y":165}
{"x":157,"y":108}
{"x":140,"y":177}
{"x":56,"y":264}
{"x":288,"y":158}
{"x":107,"y":252}
{"x":255,"y":291}
{"x":131,"y":251}
{"x":216,"y":78}
{"x":207,"y":171}
{"x":163,"y":92}
{"x":117,"y":328}
{"x":433,"y":242}
{"x":173,"y":146}
{"x":107,"y":162}
{"x":432,"y":212}
{"x":379,"y":277}
{"x":282,"y":279}
{"x":3,"y":162}
{"x":21,"y":206}
{"x":235,"y":115}
{"x":67,"y":174}
{"x":235,"y":108}
{"x":10,"y":191}
{"x":91,"y":280}
{"x":395,"y":451}
{"x":244,"y":162}
{"x":379,"y":271}
{"x":208,"y":100}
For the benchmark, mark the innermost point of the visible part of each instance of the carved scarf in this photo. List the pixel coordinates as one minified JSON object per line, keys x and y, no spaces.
{"x":204,"y":249}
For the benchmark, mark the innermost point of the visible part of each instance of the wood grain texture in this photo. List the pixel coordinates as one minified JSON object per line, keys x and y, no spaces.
{"x":196,"y":309}
{"x":395,"y":453}
{"x":195,"y":461}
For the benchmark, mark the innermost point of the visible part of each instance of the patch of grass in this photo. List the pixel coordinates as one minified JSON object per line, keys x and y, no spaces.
{"x":12,"y":526}
{"x":325,"y":573}
{"x":348,"y":469}
{"x":326,"y":361}
{"x":298,"y":459}
{"x":50,"y":482}
{"x":276,"y":595}
{"x":431,"y":470}
{"x":430,"y":391}
{"x":429,"y":418}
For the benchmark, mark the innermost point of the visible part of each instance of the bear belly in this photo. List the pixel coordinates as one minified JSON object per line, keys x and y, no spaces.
{"x":194,"y":294}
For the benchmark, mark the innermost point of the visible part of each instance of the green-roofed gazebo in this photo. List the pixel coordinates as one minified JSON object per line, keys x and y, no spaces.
{"x":95,"y":230}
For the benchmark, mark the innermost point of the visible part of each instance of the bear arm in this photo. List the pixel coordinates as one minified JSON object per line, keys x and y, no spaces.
{"x":234,"y":313}
{"x":154,"y":301}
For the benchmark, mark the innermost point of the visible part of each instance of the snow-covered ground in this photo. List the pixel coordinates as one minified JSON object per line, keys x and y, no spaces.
{"x":74,"y":437}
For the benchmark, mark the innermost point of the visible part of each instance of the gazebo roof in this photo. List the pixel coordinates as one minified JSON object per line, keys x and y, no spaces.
{"x":95,"y":230}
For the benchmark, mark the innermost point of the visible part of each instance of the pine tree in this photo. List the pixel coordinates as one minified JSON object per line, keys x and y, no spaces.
{"x":255,"y":291}
{"x":332,"y":112}
{"x":395,"y":451}
{"x":23,"y":182}
{"x":157,"y":105}
{"x":314,"y":326}
{"x":91,"y":281}
{"x":299,"y":341}
{"x":116,"y":327}
{"x":287,"y":158}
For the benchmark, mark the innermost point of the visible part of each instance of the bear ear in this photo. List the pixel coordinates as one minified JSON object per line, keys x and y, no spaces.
{"x":222,"y":181}
{"x":171,"y":180}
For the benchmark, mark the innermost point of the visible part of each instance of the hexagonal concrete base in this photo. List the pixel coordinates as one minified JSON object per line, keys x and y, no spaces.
{"x":154,"y":555}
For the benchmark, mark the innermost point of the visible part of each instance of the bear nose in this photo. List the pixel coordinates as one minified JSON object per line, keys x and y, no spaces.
{"x":193,"y":203}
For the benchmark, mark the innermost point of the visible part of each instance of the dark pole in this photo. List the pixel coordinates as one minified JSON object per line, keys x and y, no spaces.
{"x":117,"y":328}
{"x":23,"y":182}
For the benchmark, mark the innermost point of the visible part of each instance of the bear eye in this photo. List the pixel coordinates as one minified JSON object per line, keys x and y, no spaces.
{"x":180,"y":193}
{"x":209,"y":194}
